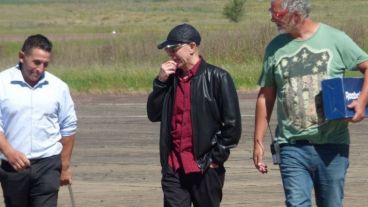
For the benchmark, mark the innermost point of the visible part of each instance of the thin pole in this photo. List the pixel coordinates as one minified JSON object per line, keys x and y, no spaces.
{"x":71,"y":195}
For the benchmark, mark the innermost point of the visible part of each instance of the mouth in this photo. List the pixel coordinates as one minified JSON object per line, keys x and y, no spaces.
{"x":177,"y":61}
{"x":278,"y":25}
{"x":36,"y":75}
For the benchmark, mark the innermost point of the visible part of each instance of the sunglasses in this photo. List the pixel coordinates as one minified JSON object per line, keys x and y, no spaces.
{"x":173,"y":49}
{"x":277,"y":14}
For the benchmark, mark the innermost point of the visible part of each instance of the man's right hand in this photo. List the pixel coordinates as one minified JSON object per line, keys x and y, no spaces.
{"x":258,"y":152}
{"x":17,"y":160}
{"x":167,"y":68}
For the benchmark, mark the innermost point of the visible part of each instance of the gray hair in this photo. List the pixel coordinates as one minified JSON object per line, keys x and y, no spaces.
{"x":302,"y":7}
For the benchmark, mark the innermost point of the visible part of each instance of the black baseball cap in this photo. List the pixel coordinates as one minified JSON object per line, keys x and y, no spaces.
{"x":183,"y":33}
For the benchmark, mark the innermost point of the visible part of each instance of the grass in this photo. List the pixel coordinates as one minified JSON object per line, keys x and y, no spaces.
{"x":111,"y":80}
{"x":93,"y":60}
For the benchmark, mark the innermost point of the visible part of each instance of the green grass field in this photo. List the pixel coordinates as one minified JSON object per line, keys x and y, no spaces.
{"x":93,"y":60}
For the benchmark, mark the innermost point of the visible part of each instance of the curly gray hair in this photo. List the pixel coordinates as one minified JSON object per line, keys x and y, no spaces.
{"x":302,"y":7}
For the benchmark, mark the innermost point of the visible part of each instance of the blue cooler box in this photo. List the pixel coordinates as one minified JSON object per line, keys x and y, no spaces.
{"x":337,"y":93}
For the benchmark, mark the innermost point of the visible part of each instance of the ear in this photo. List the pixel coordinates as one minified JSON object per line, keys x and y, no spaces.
{"x":21,"y":56}
{"x":298,"y":18}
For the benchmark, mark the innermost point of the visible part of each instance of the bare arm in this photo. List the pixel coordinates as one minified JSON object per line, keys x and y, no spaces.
{"x":66,"y":154}
{"x":16,"y":159}
{"x":264,"y":106}
{"x":360,"y":104}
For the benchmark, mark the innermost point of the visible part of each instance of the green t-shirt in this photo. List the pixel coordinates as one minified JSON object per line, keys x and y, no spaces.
{"x":296,"y":68}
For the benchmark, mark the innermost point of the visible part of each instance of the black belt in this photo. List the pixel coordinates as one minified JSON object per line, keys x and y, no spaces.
{"x":297,"y":142}
{"x":32,"y":161}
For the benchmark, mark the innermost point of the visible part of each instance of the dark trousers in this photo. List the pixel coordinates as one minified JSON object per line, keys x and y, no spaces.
{"x":36,"y":186}
{"x":203,"y":190}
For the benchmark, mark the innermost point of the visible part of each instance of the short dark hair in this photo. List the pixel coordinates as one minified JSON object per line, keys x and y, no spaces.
{"x":36,"y":41}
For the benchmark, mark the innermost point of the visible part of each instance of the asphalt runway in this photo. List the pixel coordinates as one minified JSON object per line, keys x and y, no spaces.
{"x":116,"y":159}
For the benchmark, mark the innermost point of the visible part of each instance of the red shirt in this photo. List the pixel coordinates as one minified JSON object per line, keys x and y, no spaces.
{"x":181,"y":155}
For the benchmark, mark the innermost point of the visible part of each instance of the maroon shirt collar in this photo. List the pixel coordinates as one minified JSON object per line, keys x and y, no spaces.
{"x":192,"y":72}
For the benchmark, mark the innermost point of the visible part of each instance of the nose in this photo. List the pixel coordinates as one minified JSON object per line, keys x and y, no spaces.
{"x":40,"y":68}
{"x":172,"y":56}
{"x":273,"y":18}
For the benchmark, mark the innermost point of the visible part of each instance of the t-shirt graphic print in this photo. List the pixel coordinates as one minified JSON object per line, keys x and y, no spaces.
{"x":302,"y":73}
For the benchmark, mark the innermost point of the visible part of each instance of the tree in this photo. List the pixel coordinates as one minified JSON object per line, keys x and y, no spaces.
{"x":234,"y":10}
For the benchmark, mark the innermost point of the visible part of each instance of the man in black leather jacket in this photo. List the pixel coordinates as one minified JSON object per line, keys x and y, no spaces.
{"x":198,"y":108}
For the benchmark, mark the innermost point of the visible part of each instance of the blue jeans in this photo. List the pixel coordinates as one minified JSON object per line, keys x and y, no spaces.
{"x":304,"y":166}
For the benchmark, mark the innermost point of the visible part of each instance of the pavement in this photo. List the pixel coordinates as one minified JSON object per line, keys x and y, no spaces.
{"x":116,"y":159}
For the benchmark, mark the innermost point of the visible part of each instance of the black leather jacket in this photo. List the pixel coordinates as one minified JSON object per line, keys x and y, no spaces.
{"x":216,"y":120}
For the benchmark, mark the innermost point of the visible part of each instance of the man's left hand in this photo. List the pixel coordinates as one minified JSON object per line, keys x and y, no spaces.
{"x":214,"y":165}
{"x":359,"y":111}
{"x":65,"y":177}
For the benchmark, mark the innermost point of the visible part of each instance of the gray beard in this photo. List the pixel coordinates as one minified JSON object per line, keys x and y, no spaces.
{"x":281,"y":31}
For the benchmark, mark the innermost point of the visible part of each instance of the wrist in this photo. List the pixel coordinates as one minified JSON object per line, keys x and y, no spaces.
{"x":161,"y":79}
{"x":65,"y":165}
{"x":7,"y":151}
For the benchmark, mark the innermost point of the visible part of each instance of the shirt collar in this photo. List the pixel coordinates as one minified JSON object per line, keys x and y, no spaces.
{"x":192,"y":72}
{"x":18,"y":78}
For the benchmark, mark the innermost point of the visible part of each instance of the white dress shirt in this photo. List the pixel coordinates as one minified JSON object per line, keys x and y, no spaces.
{"x":34,"y":119}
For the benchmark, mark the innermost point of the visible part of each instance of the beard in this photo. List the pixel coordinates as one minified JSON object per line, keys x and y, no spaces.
{"x":288,"y":26}
{"x":281,"y":31}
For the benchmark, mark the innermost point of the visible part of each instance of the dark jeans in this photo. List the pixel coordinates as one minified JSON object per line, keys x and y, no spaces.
{"x":36,"y":186}
{"x":203,"y":190}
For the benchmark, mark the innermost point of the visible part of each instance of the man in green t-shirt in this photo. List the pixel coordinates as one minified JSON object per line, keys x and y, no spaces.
{"x":313,"y":151}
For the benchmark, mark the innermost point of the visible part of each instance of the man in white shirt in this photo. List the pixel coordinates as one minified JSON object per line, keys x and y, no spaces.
{"x":37,"y":129}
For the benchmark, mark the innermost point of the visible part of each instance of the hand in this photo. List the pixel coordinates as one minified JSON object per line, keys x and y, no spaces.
{"x":167,"y":68}
{"x":65,"y":177}
{"x":17,"y":160}
{"x":258,"y":152}
{"x":214,"y":165}
{"x":359,"y":111}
